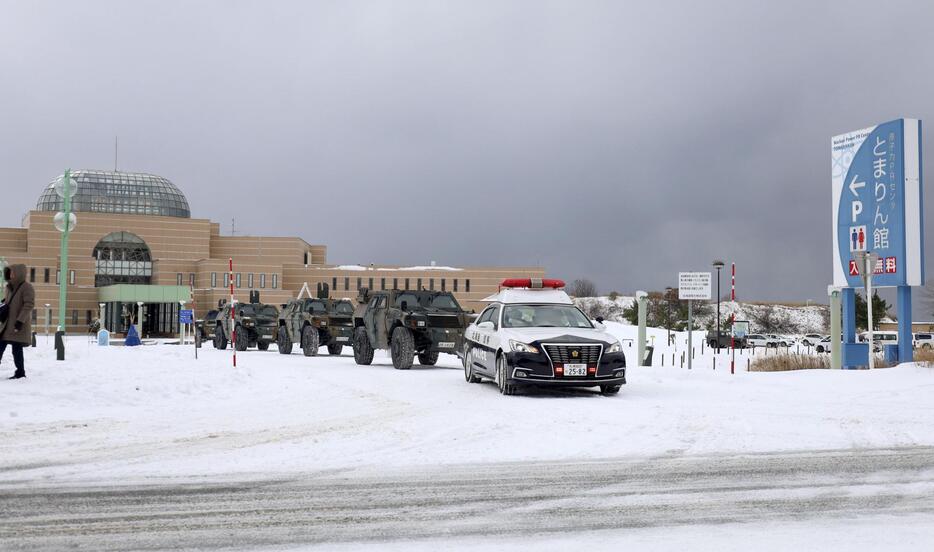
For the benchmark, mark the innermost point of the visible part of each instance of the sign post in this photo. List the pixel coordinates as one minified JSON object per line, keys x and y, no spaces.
{"x":835,"y":335}
{"x":641,"y":299}
{"x":693,"y":286}
{"x":877,"y":207}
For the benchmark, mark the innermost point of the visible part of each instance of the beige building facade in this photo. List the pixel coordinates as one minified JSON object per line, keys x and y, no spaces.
{"x":135,"y":241}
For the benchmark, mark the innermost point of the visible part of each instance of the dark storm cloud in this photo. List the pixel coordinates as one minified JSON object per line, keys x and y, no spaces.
{"x":620,"y":141}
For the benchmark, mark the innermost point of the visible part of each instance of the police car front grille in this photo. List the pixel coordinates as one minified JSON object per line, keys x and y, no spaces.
{"x":563,"y":354}
{"x":443,"y":321}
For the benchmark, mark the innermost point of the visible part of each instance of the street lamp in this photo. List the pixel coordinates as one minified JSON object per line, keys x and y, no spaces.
{"x":64,"y":221}
{"x":718,"y":264}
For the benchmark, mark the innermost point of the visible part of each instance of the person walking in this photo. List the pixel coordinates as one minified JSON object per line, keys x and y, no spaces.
{"x":19,"y":298}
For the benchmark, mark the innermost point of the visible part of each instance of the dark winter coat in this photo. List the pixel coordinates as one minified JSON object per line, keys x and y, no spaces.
{"x":21,"y":305}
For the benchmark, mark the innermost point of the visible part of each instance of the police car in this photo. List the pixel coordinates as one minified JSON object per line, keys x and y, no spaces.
{"x":532,"y":334}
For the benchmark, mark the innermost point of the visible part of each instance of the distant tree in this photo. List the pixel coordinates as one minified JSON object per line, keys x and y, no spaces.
{"x":583,"y":288}
{"x":614,"y":295}
{"x":664,"y":310}
{"x":880,"y":308}
{"x":770,"y":319}
{"x":927,"y":298}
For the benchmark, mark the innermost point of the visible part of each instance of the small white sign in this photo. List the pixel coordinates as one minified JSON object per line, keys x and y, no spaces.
{"x":694,"y":286}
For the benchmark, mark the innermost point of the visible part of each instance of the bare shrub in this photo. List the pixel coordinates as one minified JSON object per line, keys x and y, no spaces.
{"x":582,"y":288}
{"x":924,"y":357}
{"x":786,"y":363}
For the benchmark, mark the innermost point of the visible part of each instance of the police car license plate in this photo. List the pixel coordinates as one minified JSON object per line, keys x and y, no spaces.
{"x":445,"y":344}
{"x":575,"y":369}
{"x":341,"y":338}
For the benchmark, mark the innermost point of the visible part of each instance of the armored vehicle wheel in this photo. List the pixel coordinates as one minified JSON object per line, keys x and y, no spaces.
{"x":362,"y":350}
{"x":283,"y":341}
{"x":504,"y":387}
{"x":402,"y":348}
{"x":609,"y":389}
{"x":468,"y":368}
{"x":220,"y":340}
{"x":242,"y":341}
{"x":334,"y":349}
{"x":428,"y":358}
{"x":310,"y":341}
{"x":263,"y":345}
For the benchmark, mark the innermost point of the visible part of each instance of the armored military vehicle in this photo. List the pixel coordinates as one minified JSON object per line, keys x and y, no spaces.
{"x":408,"y":323}
{"x":255,"y":324}
{"x":204,"y":327}
{"x":315,"y":322}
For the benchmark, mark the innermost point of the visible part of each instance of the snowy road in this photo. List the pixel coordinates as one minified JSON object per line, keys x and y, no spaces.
{"x":601,"y":502}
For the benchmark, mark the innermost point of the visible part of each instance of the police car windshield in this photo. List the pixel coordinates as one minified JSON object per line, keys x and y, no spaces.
{"x":445,"y":302}
{"x":316,"y":307}
{"x":544,"y":316}
{"x":344,"y":308}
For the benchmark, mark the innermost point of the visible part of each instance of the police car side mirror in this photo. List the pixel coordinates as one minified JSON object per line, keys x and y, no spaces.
{"x":600,"y":320}
{"x":486,"y":325}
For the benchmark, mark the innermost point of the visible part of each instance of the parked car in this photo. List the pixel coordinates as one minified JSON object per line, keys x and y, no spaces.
{"x":823,"y":346}
{"x":726,"y":338}
{"x":780,"y":340}
{"x":924,"y":341}
{"x":812,"y":339}
{"x":760,"y":340}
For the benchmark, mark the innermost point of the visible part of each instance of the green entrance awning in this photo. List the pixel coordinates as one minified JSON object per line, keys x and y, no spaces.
{"x":136,"y":293}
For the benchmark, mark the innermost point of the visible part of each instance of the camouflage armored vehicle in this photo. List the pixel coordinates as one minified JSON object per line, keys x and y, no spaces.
{"x":204,"y":327}
{"x":255,"y":324}
{"x":315,"y":322}
{"x":408,"y":323}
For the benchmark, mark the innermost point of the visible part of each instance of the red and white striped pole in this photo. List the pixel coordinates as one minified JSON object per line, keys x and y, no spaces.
{"x":733,"y":320}
{"x":233,"y":327}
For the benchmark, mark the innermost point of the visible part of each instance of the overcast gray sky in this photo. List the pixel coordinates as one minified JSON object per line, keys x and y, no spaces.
{"x":619,"y":141}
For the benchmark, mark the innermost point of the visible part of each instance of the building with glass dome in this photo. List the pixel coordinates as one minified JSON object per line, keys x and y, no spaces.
{"x":137,"y":251}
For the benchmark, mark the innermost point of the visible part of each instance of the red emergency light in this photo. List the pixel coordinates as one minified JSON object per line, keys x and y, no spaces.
{"x":532,"y":283}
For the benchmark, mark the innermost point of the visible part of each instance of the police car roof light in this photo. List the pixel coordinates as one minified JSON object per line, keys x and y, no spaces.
{"x":532,"y":283}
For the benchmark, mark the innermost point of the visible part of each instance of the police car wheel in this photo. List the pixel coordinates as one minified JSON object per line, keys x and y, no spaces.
{"x":428,"y":358}
{"x":609,"y":389}
{"x":334,"y":349}
{"x":310,"y":341}
{"x":362,"y":350}
{"x":504,"y":387}
{"x":468,"y":368}
{"x":402,"y":348}
{"x":283,"y":341}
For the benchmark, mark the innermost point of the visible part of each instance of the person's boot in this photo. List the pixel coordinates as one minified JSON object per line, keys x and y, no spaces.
{"x":18,"y":375}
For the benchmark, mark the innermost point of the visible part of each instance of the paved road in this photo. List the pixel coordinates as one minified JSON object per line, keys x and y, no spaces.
{"x":469,"y":500}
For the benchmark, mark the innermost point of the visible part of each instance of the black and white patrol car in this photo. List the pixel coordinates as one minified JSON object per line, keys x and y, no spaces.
{"x":532,"y":334}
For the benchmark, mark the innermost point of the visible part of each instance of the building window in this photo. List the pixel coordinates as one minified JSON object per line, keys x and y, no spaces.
{"x":431,"y":284}
{"x":58,"y":277}
{"x":32,"y":274}
{"x":371,"y":283}
{"x":418,"y":285}
{"x":444,"y":286}
{"x":275,"y":281}
{"x":359,"y":283}
{"x":191,"y":279}
{"x":249,"y":280}
{"x":467,"y":285}
{"x":455,"y":284}
{"x":88,"y":316}
{"x":35,"y":317}
{"x":395,"y":283}
{"x":46,"y":273}
{"x":406,"y":284}
{"x":214,"y":279}
{"x":239,"y":281}
{"x":74,"y":317}
{"x":226,"y":280}
{"x":178,"y":278}
{"x":346,"y":283}
{"x":262,"y":280}
{"x":306,"y":258}
{"x":71,"y":278}
{"x":382,"y":284}
{"x":334,"y":283}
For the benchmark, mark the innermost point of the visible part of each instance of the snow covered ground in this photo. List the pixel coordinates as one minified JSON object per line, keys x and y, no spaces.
{"x":133,"y":413}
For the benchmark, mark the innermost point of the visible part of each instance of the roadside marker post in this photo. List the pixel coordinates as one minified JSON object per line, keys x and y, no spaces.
{"x":233,"y":328}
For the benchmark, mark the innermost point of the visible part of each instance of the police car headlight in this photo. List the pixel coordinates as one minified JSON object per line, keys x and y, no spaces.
{"x":520,"y":347}
{"x":615,"y":348}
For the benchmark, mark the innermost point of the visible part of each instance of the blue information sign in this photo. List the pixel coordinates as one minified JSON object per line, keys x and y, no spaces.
{"x":877,"y":204}
{"x":185,"y":316}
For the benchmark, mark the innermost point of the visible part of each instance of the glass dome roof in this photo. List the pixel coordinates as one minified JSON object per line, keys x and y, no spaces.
{"x":120,"y":193}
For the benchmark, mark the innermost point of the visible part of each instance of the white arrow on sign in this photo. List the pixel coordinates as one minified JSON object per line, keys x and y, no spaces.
{"x":854,"y":185}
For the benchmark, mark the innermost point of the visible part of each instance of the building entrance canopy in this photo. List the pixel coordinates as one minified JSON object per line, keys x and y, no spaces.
{"x":138,"y":293}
